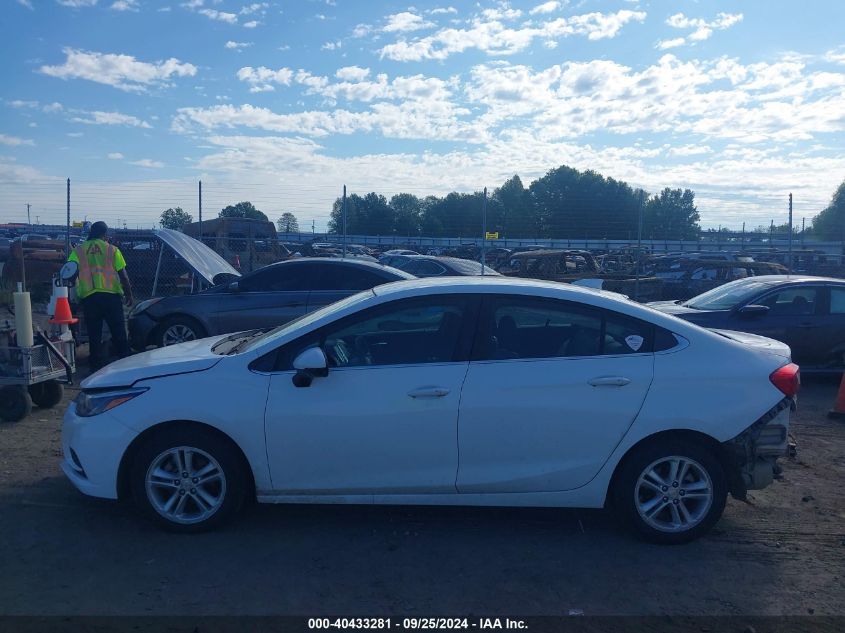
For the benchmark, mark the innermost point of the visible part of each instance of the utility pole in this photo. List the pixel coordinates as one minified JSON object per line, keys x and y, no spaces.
{"x":67,"y":230}
{"x":344,"y":221}
{"x":742,"y":239}
{"x":28,"y":219}
{"x":639,"y":246}
{"x":483,"y":230}
{"x":200,"y":209}
{"x":789,"y":268}
{"x":313,"y":230}
{"x":802,"y":232}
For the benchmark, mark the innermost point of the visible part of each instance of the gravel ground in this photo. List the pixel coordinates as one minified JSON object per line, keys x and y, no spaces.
{"x":783,"y":553}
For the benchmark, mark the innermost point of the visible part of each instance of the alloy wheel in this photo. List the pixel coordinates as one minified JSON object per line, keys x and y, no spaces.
{"x":673,"y":494}
{"x":178,"y":333}
{"x":185,"y":485}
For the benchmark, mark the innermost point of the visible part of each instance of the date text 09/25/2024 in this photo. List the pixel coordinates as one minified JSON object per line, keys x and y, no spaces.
{"x":416,"y":623}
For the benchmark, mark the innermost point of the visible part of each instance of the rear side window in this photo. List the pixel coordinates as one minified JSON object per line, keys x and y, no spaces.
{"x":837,"y":300}
{"x":529,"y":327}
{"x":424,"y":268}
{"x":792,"y":301}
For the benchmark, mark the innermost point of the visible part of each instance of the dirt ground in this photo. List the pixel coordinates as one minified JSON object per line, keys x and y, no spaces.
{"x":64,"y":554}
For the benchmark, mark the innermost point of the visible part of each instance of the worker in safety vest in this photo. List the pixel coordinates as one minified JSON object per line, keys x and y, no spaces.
{"x":101,"y":284}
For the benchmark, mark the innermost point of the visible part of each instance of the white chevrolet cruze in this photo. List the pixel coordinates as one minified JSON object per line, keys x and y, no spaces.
{"x":462,"y":391}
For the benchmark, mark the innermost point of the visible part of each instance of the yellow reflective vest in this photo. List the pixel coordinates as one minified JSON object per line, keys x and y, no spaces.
{"x":99,"y":262}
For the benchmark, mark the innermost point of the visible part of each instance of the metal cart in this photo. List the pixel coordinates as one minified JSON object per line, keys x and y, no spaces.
{"x":34,"y":375}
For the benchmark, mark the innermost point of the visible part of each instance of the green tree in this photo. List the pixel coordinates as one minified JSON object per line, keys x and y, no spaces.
{"x":288,"y":223}
{"x":407,"y":210}
{"x":671,"y":215}
{"x":243,"y":210}
{"x":830,"y":223}
{"x":175,"y":218}
{"x":511,"y":211}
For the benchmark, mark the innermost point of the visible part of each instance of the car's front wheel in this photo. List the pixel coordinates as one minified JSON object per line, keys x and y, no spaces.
{"x":187,"y":480}
{"x":671,"y":491}
{"x":179,"y":329}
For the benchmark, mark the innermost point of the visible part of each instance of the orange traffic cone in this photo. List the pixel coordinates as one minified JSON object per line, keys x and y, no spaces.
{"x":838,"y":410}
{"x":63,"y":315}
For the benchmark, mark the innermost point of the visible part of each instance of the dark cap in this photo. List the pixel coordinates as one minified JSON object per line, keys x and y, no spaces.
{"x":98,"y":229}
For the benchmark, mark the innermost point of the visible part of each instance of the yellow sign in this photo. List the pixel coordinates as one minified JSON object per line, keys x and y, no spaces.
{"x":491,"y":236}
{"x":77,"y":225}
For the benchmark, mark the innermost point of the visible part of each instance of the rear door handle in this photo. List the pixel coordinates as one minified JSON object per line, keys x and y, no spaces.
{"x":609,"y":381}
{"x":429,"y":392}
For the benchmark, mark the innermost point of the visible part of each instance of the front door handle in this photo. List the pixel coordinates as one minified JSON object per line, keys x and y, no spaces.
{"x":429,"y":392}
{"x":609,"y":381}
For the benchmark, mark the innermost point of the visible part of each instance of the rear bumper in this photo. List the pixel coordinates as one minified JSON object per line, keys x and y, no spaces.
{"x":141,"y":327}
{"x":752,"y":455}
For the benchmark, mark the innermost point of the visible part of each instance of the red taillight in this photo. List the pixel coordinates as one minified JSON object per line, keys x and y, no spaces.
{"x":787,"y":379}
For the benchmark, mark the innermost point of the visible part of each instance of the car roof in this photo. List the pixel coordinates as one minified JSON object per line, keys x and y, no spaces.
{"x":340,"y":261}
{"x":784,"y":279}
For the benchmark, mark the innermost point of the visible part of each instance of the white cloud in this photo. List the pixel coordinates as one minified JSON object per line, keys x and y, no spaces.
{"x":125,"y":5}
{"x":331,"y":46}
{"x":238,"y":46}
{"x":75,"y":134}
{"x":405,"y":22}
{"x":546,"y":7}
{"x":14,"y":141}
{"x":99,"y":117}
{"x":352,"y":73}
{"x":221,"y":16}
{"x":120,"y":71}
{"x":362,"y":30}
{"x":493,"y":38}
{"x":837,"y":56}
{"x":19,"y":103}
{"x":255,"y":7}
{"x":26,"y":3}
{"x":148,"y":163}
{"x":76,"y":4}
{"x":251,"y":24}
{"x":115,"y":156}
{"x":262,"y":78}
{"x":443,"y":10}
{"x":701,"y":29}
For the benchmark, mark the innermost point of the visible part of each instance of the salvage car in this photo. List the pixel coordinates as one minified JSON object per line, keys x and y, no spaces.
{"x":806,"y":313}
{"x":567,"y":397}
{"x":267,"y":297}
{"x":431,"y":266}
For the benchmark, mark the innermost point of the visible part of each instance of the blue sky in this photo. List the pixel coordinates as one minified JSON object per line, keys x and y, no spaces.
{"x":283,"y":102}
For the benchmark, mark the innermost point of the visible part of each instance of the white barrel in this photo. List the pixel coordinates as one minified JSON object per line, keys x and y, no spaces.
{"x":23,"y":319}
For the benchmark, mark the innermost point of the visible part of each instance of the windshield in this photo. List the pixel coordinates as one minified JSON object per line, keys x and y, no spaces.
{"x":304,"y":321}
{"x":729,"y":295}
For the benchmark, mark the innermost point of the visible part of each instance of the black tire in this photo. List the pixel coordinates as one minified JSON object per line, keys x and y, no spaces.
{"x":627,"y":497}
{"x":15,"y":403}
{"x":184,"y":323}
{"x":47,"y":394}
{"x":234,"y":478}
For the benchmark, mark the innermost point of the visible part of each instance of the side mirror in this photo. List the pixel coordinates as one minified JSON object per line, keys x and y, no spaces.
{"x":310,"y":364}
{"x":233,"y":287}
{"x":69,"y":272}
{"x":753,"y":310}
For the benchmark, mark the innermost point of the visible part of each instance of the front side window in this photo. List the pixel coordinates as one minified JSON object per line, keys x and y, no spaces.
{"x":792,"y":302}
{"x":341,"y":277}
{"x":424,"y":268}
{"x":530,"y":327}
{"x":295,"y":277}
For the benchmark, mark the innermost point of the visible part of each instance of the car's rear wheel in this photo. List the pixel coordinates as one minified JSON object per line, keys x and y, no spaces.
{"x":671,"y":491}
{"x":187,"y":480}
{"x":177,"y":330}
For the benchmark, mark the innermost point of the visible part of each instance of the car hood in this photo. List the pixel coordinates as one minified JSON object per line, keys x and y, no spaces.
{"x":760,"y":343}
{"x":165,"y":361}
{"x":204,"y":261}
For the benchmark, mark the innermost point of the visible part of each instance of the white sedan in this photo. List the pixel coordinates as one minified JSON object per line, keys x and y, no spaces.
{"x":462,"y":391}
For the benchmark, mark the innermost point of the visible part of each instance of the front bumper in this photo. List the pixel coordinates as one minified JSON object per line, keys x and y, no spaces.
{"x":92,"y":449}
{"x":141,"y":328}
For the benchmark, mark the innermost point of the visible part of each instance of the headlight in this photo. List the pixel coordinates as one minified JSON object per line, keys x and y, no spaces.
{"x":140,"y":307}
{"x":95,"y":403}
